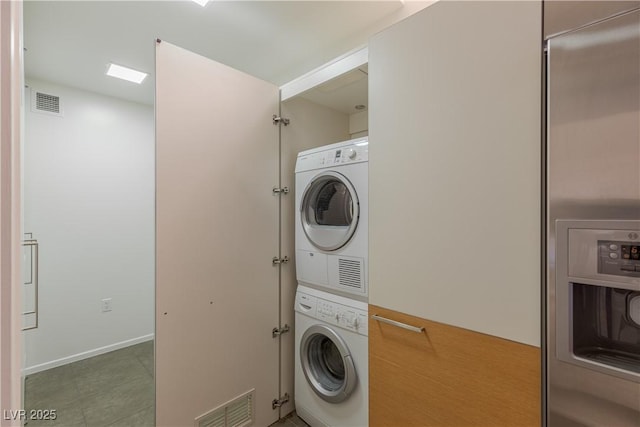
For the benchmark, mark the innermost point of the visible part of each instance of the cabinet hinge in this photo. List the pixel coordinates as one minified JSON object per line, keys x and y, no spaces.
{"x":277,"y":120}
{"x":276,"y":332}
{"x":276,"y":403}
{"x":276,"y":260}
{"x":283,"y":190}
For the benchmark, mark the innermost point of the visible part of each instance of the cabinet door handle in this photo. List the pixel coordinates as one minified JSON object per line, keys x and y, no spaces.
{"x":32,"y":244}
{"x":398,"y":324}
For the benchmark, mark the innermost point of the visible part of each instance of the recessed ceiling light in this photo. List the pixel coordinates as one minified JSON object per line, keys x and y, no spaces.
{"x":201,"y":2}
{"x":125,"y":73}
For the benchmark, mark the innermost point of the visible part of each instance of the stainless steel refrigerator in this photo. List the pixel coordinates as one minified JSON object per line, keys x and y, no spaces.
{"x":592,"y":363}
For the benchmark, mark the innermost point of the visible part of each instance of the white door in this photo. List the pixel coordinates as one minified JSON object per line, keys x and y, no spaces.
{"x":217,"y":232}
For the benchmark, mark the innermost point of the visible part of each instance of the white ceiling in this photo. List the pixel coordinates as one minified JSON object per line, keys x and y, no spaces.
{"x":71,"y":43}
{"x":344,"y":92}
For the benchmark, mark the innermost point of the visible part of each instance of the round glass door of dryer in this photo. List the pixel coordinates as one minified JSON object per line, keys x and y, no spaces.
{"x":327,"y":364}
{"x":330,"y":211}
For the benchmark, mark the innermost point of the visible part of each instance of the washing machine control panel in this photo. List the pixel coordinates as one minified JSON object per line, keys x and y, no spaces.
{"x":341,"y":315}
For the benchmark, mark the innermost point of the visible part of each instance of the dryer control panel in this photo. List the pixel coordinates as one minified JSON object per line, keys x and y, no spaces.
{"x":355,"y":151}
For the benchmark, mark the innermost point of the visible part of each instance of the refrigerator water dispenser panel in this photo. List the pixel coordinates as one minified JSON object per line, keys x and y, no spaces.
{"x":619,"y":258}
{"x":598,"y":296}
{"x":604,"y":254}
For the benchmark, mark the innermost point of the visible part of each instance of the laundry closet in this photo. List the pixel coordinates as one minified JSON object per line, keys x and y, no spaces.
{"x":251,"y":149}
{"x":454,"y":141}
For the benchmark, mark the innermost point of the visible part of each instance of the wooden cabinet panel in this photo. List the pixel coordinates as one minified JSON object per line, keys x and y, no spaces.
{"x":448,"y":376}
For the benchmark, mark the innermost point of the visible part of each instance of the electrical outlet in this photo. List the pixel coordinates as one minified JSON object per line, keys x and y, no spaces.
{"x":106,"y":305}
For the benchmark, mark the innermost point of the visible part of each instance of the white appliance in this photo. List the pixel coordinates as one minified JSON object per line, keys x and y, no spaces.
{"x":332,"y":366}
{"x":332,"y":185}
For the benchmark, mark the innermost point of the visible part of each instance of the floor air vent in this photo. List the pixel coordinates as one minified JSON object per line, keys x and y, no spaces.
{"x":350,"y":273}
{"x":235,"y":413}
{"x":45,"y":103}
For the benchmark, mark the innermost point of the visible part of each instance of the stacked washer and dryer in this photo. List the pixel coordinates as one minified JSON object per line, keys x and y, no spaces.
{"x":331,"y":356}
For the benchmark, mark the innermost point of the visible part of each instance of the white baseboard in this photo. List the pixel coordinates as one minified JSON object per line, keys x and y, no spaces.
{"x":85,"y":355}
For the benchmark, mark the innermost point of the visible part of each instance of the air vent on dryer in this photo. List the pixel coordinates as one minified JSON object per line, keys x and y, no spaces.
{"x":350,"y":273}
{"x":235,"y":413}
{"x":45,"y":103}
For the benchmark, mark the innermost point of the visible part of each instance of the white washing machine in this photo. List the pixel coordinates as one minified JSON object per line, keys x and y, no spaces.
{"x":332,"y":186}
{"x":332,"y":365}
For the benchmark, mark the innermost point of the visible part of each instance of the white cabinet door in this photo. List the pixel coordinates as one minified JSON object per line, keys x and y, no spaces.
{"x":217,"y":231}
{"x":454,"y":167}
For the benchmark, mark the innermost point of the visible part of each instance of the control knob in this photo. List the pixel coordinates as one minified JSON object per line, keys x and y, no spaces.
{"x":351,"y":154}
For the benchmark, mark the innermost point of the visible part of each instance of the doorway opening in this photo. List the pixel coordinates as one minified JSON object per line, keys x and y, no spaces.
{"x":89,"y":200}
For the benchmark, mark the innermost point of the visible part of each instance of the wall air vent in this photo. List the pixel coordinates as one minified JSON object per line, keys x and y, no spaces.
{"x":238,"y":412}
{"x":350,"y":273}
{"x":45,"y":103}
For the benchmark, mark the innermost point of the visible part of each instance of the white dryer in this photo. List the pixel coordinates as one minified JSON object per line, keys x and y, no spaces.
{"x":332,"y":186}
{"x":331,"y":359}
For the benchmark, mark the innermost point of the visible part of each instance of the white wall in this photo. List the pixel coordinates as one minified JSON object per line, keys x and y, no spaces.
{"x":89,"y":201}
{"x":359,"y":124}
{"x":454,"y":167}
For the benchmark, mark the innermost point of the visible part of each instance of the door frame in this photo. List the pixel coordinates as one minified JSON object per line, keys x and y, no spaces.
{"x":11,"y":67}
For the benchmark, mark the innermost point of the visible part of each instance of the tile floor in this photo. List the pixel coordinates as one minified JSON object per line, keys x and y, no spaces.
{"x":113,"y":389}
{"x":291,"y":420}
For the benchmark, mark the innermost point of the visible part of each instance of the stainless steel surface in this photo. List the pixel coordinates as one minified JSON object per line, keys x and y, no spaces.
{"x":398,"y":324}
{"x":280,"y":120}
{"x":563,"y":16}
{"x":284,"y":190}
{"x":276,"y":403}
{"x":593,"y":173}
{"x":275,"y":260}
{"x":276,"y":332}
{"x":33,"y":246}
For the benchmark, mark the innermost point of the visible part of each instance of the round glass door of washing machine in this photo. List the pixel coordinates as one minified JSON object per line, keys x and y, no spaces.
{"x":330,"y":211}
{"x":327,"y":364}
